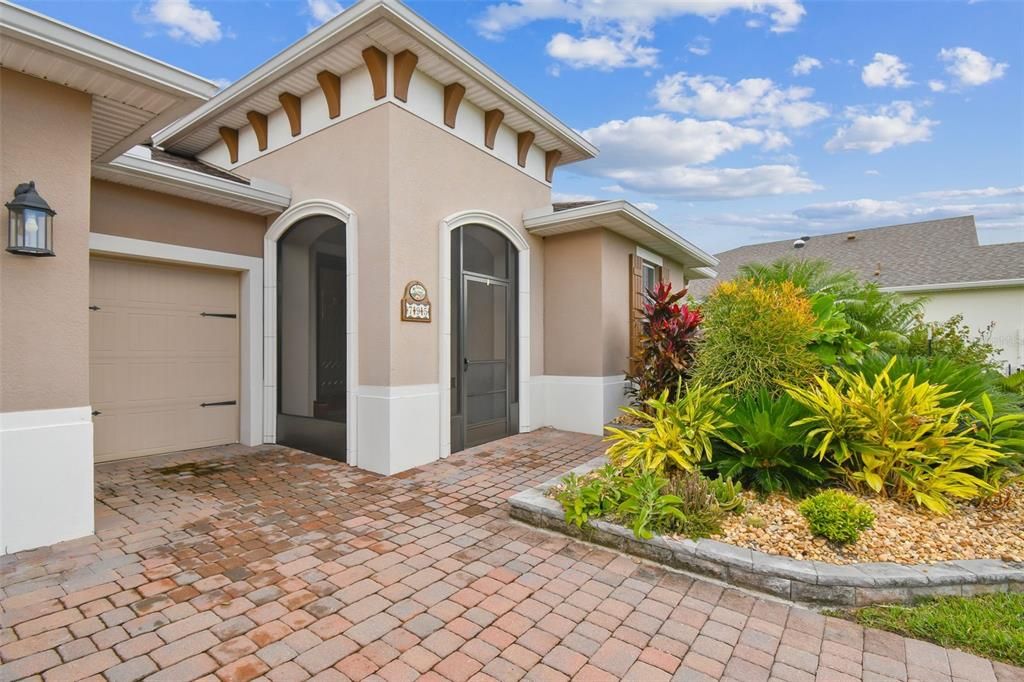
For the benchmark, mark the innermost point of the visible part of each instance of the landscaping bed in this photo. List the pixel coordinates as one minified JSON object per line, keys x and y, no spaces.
{"x":901,"y":534}
{"x":810,"y":581}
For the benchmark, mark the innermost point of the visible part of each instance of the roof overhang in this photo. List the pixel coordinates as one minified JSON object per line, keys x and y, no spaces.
{"x":133,"y":95}
{"x":336,"y":46}
{"x":627,"y":220}
{"x":138,"y":169}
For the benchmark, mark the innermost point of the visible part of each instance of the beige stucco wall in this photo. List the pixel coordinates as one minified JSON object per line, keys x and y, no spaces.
{"x":433,"y":175}
{"x":45,"y":135}
{"x":573,"y":294}
{"x":348,"y":163}
{"x":402,"y":176}
{"x":981,"y":307}
{"x":141,"y":214}
{"x":587,"y":306}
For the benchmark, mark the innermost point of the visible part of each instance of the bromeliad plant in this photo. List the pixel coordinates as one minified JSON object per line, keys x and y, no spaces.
{"x":665,"y":347}
{"x":894,"y":437}
{"x":678,"y":434}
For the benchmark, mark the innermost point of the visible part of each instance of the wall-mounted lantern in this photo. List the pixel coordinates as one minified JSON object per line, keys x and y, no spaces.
{"x":29,"y":222}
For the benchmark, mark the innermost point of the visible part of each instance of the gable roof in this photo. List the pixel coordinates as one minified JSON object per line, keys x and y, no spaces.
{"x":336,"y":46}
{"x":133,"y":95}
{"x":924,"y":255}
{"x":625,"y":219}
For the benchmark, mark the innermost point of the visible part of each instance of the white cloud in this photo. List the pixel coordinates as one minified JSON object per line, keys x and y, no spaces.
{"x":648,"y":206}
{"x":322,"y":10}
{"x":804,"y":65}
{"x":970,"y":68}
{"x":936,"y":86}
{"x":888,"y":126}
{"x":602,"y":52}
{"x":182,"y":21}
{"x":663,"y":156}
{"x":871,"y":171}
{"x":886,"y":70}
{"x":757,"y":100}
{"x":986,"y":192}
{"x":616,"y":33}
{"x":700,"y":46}
{"x":221,"y":82}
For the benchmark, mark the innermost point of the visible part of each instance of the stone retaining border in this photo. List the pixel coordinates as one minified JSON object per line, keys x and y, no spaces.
{"x":813,"y":582}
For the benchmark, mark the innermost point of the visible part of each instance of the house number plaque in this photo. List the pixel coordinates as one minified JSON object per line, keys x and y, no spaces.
{"x":415,"y":303}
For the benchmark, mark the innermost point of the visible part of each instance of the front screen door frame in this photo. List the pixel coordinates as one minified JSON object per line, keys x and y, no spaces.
{"x":511,"y":361}
{"x":297,"y":212}
{"x":444,"y":316}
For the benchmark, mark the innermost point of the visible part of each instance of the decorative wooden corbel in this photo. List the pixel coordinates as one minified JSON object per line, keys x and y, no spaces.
{"x":492,"y":121}
{"x":292,"y":106}
{"x":230,"y":137}
{"x":551,"y":160}
{"x":377,"y":64}
{"x":453,"y":94}
{"x":330,"y":83}
{"x":258,"y":122}
{"x":405,"y":64}
{"x":523,"y":142}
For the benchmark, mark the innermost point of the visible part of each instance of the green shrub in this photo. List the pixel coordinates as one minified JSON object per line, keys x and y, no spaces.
{"x":1004,"y":432}
{"x":772,"y":454}
{"x":952,"y":340}
{"x":591,"y":497}
{"x":666,"y":346}
{"x":834,"y":340}
{"x":893,"y":436}
{"x":837,"y":516}
{"x":679,"y":434}
{"x":756,"y":335}
{"x":878,"y":319}
{"x":646,"y":508}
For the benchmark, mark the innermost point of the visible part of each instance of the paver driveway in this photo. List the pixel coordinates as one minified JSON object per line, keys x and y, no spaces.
{"x":242,"y":563}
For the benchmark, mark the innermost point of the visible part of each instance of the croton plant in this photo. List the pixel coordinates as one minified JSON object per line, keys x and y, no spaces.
{"x":666,"y":345}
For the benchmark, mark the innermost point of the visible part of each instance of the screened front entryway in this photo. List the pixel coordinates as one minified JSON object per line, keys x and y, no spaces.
{"x":311,"y":367}
{"x":485,"y":400}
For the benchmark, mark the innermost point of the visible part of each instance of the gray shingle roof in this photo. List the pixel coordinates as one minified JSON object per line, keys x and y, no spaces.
{"x":914,"y":254}
{"x":193,"y":164}
{"x":566,"y":205}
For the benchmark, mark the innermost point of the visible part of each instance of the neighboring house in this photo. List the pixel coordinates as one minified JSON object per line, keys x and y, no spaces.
{"x":351,"y":250}
{"x":938,"y":259}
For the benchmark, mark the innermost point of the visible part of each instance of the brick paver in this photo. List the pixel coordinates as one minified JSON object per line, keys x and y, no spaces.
{"x":267,"y":563}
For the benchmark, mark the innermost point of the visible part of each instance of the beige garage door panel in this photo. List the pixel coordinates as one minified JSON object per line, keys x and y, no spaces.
{"x":155,"y":359}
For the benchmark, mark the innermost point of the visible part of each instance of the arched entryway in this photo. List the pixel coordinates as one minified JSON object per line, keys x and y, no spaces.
{"x":484,"y":331}
{"x":484,"y":366}
{"x":311,"y":376}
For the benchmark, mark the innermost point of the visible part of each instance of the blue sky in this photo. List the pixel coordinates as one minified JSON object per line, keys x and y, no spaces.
{"x":734,"y":121}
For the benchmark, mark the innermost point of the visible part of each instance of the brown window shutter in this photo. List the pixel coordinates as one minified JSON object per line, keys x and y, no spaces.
{"x":636,"y":302}
{"x":660,"y":272}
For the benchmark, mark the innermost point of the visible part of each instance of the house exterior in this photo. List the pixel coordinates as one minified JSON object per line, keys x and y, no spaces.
{"x":940,"y":260}
{"x":352,"y":250}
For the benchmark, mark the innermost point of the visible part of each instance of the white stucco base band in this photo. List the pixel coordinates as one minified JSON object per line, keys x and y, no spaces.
{"x":398,"y":427}
{"x":573,"y":403}
{"x":46,"y":477}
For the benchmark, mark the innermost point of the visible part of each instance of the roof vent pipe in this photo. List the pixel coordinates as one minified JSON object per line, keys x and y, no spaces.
{"x":800,"y":243}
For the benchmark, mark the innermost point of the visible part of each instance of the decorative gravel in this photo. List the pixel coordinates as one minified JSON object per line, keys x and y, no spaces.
{"x":902,"y":534}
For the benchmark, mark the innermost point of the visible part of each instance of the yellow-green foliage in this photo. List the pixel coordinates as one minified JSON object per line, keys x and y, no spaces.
{"x":678,"y":434}
{"x":756,"y":335}
{"x":894,"y":437}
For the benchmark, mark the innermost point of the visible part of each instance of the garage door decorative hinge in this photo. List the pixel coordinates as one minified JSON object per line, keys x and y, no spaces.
{"x":94,"y":307}
{"x":223,"y":402}
{"x":229,"y":315}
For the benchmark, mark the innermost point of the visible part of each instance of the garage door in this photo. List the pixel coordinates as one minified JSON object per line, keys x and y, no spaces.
{"x":163,"y":357}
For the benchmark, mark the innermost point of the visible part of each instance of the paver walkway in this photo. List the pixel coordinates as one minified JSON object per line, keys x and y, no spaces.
{"x":268,"y":563}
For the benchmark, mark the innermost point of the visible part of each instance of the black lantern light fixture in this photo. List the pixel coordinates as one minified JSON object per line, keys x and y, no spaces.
{"x":29,"y":222}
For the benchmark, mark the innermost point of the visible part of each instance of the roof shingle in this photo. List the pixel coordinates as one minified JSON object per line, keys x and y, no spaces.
{"x":913,"y":254}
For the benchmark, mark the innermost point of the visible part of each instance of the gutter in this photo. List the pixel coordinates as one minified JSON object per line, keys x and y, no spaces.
{"x":953,"y":286}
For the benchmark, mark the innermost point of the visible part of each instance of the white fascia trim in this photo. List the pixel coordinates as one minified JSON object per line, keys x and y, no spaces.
{"x":705,"y":273}
{"x":250,"y":408}
{"x":952,"y":286}
{"x":261,"y":197}
{"x":351,"y":20}
{"x":93,"y":51}
{"x":538,"y":221}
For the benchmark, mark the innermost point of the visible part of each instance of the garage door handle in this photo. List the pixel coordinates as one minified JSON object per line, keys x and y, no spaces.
{"x":229,"y":315}
{"x":223,"y":402}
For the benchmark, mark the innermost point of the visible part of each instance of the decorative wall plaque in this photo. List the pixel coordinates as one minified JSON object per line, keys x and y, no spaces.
{"x":415,"y":303}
